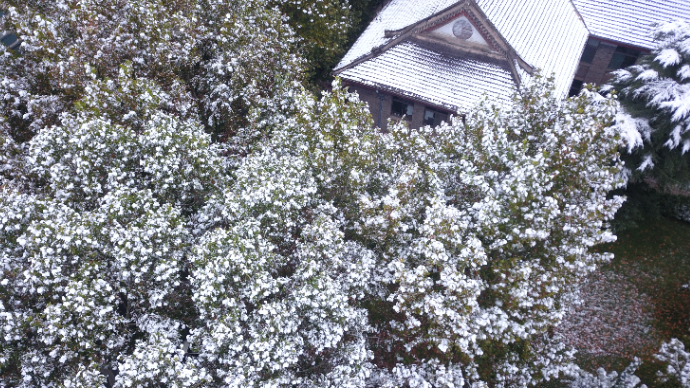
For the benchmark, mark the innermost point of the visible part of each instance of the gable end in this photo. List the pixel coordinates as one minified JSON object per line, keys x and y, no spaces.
{"x":496,"y":48}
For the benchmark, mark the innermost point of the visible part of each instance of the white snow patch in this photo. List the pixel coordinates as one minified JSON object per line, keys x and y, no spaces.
{"x":646,"y":163}
{"x":668,"y":57}
{"x":633,"y":130}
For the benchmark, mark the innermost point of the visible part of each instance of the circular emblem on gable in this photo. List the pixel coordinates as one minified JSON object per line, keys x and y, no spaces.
{"x":462,"y":29}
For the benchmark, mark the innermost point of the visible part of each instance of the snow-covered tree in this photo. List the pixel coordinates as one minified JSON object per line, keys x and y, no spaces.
{"x":656,"y":96}
{"x":323,"y":27}
{"x":229,"y":62}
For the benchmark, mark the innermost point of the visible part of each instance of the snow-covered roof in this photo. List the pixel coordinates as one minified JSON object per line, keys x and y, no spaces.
{"x":544,"y":34}
{"x":547,"y":34}
{"x":630,"y":21}
{"x":447,"y":81}
{"x":396,"y":15}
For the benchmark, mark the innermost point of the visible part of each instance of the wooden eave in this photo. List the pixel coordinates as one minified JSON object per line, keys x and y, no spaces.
{"x":449,"y":109}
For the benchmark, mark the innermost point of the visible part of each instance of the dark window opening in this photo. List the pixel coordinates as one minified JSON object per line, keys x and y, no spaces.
{"x":9,"y":39}
{"x":590,"y":50}
{"x":433,"y":117}
{"x":575,"y":88}
{"x":623,"y":57}
{"x":402,"y":108}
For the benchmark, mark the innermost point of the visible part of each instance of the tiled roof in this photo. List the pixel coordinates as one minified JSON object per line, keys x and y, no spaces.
{"x":396,"y":15}
{"x":450,"y":82}
{"x":547,"y":34}
{"x":630,"y":21}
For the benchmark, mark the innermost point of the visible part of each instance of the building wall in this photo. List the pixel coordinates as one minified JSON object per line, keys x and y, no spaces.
{"x":381,"y":103}
{"x":598,"y":71}
{"x":417,"y":119}
{"x":374,"y":100}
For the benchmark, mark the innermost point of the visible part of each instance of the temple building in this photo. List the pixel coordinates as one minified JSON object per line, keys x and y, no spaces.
{"x":422,"y":60}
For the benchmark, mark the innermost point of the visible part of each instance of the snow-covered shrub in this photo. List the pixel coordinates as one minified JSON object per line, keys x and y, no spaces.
{"x":484,"y":228}
{"x":463,"y":242}
{"x":677,"y":361}
{"x":136,"y":251}
{"x":332,"y":255}
{"x":603,"y":379}
{"x":100,"y":239}
{"x":228,"y":61}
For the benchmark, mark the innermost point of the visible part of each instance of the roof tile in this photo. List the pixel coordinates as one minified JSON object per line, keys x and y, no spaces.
{"x":451,"y":82}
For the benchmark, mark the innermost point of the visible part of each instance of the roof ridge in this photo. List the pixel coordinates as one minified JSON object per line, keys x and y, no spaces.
{"x":579,"y":15}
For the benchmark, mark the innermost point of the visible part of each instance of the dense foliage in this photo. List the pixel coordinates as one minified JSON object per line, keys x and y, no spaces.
{"x":326,"y":28}
{"x":95,"y":249}
{"x":175,"y":209}
{"x":323,"y":28}
{"x":225,"y":62}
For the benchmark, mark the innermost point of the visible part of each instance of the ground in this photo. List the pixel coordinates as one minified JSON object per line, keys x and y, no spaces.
{"x":637,"y":301}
